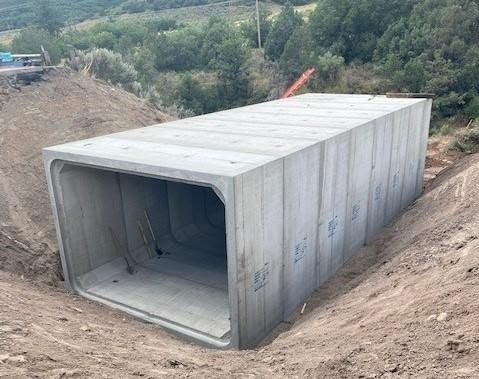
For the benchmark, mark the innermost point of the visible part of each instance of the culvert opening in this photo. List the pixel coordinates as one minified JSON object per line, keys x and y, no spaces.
{"x":152,"y":246}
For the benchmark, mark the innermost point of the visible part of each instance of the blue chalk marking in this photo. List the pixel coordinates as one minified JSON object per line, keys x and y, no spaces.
{"x":377,"y":192}
{"x":261,"y":277}
{"x":355,"y":212}
{"x":332,"y":226}
{"x":300,"y":250}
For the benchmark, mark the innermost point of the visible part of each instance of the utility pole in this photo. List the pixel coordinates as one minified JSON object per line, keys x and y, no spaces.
{"x":257,"y":23}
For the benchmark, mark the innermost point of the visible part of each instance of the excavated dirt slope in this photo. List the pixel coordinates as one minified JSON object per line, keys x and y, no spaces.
{"x":406,"y":306}
{"x":64,"y":106}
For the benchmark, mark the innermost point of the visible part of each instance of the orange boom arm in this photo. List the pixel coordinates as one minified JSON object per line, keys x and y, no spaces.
{"x":298,"y":83}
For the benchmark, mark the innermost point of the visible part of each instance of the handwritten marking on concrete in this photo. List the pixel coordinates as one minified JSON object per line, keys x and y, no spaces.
{"x":377,"y":192}
{"x":300,"y":250}
{"x":261,"y":277}
{"x":355,"y":211}
{"x":332,"y":226}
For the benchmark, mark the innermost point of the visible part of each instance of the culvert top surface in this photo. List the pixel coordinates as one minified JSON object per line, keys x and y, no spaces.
{"x":234,"y":141}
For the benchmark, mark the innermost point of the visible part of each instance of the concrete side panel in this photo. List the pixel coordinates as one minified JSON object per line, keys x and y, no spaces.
{"x":360,"y":169}
{"x":398,"y":163}
{"x":332,"y":214}
{"x":259,"y":247}
{"x":302,"y":187}
{"x":408,"y":193}
{"x":383,"y":134}
{"x":426,"y":119}
{"x":90,"y":213}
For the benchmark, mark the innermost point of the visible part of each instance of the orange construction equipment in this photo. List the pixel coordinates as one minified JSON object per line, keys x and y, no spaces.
{"x":298,"y":83}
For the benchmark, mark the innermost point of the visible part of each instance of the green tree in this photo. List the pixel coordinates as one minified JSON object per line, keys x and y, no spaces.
{"x":226,"y":51}
{"x":178,"y":50}
{"x":294,"y":2}
{"x":297,"y":54}
{"x":104,"y":39}
{"x":282,"y":29}
{"x":191,"y":95}
{"x":435,"y":49}
{"x":351,"y":28}
{"x":249,"y":28}
{"x":144,"y":61}
{"x":48,"y":17}
{"x":30,"y":41}
{"x":472,"y":109}
{"x":230,"y":64}
{"x":214,"y":34}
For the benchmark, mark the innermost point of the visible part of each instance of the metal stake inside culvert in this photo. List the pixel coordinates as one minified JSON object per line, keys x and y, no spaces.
{"x":116,"y":243}
{"x":145,"y":241}
{"x":157,"y":248}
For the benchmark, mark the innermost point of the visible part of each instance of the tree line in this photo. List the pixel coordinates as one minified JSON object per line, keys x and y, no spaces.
{"x":355,"y":45}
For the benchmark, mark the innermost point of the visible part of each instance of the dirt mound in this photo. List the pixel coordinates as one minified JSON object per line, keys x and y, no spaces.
{"x":65,"y":106}
{"x":406,"y":306}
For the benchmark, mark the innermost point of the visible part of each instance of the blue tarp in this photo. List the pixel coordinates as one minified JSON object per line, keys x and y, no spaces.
{"x":6,"y":57}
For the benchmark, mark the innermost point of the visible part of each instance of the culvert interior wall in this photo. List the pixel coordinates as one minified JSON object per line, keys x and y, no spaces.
{"x":179,"y":274}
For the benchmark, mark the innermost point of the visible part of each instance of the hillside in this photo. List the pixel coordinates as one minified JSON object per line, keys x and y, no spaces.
{"x":20,"y":14}
{"x":64,"y":107}
{"x":406,"y":306}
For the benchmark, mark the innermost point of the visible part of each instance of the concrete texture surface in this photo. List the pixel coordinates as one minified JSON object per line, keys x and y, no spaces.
{"x":253,"y":208}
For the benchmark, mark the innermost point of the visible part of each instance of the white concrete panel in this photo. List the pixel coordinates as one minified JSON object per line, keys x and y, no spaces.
{"x":383,"y":134}
{"x":302,"y":185}
{"x":408,"y":193}
{"x":360,"y":170}
{"x":259,"y":236}
{"x":426,"y":119}
{"x":334,"y":199}
{"x":398,"y":163}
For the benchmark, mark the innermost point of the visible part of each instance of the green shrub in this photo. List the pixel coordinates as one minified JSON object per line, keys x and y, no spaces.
{"x":467,"y":142}
{"x":472,"y":108}
{"x":328,"y":67}
{"x":445,"y":129}
{"x":30,"y":40}
{"x":110,"y":67}
{"x":440,"y":130}
{"x":135,"y":6}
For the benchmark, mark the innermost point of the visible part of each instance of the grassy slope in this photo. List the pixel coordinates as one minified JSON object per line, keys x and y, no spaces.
{"x":236,"y":10}
{"x":16,"y":14}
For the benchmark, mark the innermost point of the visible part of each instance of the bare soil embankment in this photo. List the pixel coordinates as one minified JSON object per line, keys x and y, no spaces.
{"x":65,"y":106}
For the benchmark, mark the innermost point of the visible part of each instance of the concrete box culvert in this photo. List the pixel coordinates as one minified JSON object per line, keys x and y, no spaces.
{"x":218,"y":227}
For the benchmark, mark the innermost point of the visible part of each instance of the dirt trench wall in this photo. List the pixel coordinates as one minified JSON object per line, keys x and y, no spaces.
{"x":63,"y":107}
